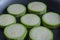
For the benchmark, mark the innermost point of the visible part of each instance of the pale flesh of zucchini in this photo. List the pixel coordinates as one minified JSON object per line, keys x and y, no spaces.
{"x":15,"y":31}
{"x":30,"y":20}
{"x":52,"y":19}
{"x":41,"y":33}
{"x":6,"y":19}
{"x":37,"y":7}
{"x":16,"y":9}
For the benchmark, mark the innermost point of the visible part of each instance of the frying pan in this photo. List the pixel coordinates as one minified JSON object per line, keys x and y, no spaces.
{"x":53,"y":5}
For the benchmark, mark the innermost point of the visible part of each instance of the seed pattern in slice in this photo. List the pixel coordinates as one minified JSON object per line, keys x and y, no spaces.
{"x":37,"y":7}
{"x":6,"y":19}
{"x":17,"y":9}
{"x":41,"y":33}
{"x":15,"y":31}
{"x":31,"y":20}
{"x":52,"y":19}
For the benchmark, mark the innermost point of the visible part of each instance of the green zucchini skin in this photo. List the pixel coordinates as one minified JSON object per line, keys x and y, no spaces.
{"x":31,"y":38}
{"x":7,"y":18}
{"x":29,"y":25}
{"x":17,"y":38}
{"x":19,"y":14}
{"x":49,"y":25}
{"x":39,"y":12}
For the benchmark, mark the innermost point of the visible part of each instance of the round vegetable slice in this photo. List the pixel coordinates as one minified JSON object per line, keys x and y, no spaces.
{"x":17,"y":9}
{"x":37,"y":7}
{"x":51,"y":20}
{"x":41,"y":33}
{"x":31,"y":20}
{"x":6,"y":19}
{"x":15,"y":31}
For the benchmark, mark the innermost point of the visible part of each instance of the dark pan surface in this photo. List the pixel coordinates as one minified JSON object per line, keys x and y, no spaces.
{"x":53,"y":5}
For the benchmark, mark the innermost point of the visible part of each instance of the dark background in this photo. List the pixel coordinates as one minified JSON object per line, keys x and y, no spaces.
{"x":53,"y":5}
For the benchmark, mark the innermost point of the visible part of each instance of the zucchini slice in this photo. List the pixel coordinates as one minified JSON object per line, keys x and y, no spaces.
{"x":7,"y":19}
{"x":15,"y":31}
{"x":17,"y":9}
{"x":37,"y":7}
{"x":51,"y":20}
{"x":41,"y":33}
{"x":30,"y":20}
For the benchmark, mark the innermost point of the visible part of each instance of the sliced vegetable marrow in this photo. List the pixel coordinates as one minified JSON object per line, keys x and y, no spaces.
{"x":15,"y":31}
{"x":37,"y":7}
{"x":41,"y":33}
{"x":51,"y":20}
{"x":6,"y":19}
{"x":17,"y":9}
{"x":30,"y":20}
